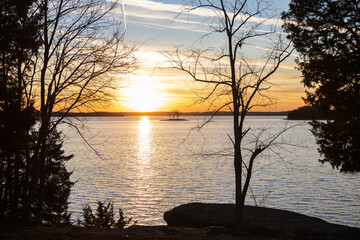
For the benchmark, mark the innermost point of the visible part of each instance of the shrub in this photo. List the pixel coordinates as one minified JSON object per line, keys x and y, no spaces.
{"x":104,"y":216}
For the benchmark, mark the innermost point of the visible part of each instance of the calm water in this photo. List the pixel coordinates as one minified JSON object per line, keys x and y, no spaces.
{"x":150,"y":166}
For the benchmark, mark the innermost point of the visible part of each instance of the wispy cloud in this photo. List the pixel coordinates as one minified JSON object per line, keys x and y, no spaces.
{"x":178,"y":8}
{"x":167,"y":11}
{"x":168,"y":27}
{"x":124,"y":15}
{"x":271,"y":50}
{"x":154,"y":6}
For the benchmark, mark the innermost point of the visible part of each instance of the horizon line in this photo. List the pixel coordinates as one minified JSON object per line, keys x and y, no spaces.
{"x":167,"y":113}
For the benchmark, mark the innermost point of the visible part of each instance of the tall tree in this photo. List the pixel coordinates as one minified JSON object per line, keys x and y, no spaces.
{"x":19,"y":41}
{"x":327,"y":35}
{"x":56,"y":56}
{"x":57,"y":184}
{"x":235,"y":81}
{"x":82,"y":52}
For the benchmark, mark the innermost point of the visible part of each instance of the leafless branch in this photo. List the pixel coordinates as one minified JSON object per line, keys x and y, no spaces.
{"x":232,"y":80}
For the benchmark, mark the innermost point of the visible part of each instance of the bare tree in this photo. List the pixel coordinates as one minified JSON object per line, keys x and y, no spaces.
{"x":82,"y":52}
{"x":175,"y":113}
{"x":233,"y":80}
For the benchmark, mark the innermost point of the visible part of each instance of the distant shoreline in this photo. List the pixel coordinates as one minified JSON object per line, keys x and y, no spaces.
{"x":125,"y":114}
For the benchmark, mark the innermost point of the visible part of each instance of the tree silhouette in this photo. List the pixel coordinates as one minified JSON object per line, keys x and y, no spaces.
{"x":234,"y":80}
{"x":80,"y":54}
{"x":327,"y":35}
{"x":57,"y":184}
{"x":55,"y":56}
{"x":18,"y":43}
{"x":104,"y":216}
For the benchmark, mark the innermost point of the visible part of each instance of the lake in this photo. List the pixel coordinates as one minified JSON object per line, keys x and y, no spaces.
{"x":148,"y":166}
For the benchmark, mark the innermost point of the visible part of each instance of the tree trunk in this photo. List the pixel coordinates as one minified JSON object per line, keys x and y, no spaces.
{"x":41,"y":189}
{"x":239,"y":203}
{"x":18,"y":138}
{"x":239,"y":206}
{"x":9,"y":187}
{"x":39,"y":160}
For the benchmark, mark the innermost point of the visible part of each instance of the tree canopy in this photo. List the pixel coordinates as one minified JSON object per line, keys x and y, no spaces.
{"x":327,"y":36}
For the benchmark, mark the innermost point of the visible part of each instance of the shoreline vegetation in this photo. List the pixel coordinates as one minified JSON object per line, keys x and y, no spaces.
{"x":306,"y":113}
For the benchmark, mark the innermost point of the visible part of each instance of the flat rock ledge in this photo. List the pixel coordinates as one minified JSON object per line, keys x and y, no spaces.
{"x":267,"y":220}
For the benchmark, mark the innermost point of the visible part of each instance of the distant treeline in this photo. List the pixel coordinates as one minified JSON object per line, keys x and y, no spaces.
{"x":122,"y":114}
{"x":305,"y":113}
{"x":94,"y":114}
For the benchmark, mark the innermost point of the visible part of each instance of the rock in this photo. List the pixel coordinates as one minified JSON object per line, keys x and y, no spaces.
{"x":274,"y":221}
{"x":201,"y":215}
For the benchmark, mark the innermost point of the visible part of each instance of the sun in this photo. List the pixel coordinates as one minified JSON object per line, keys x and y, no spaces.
{"x":143,"y":96}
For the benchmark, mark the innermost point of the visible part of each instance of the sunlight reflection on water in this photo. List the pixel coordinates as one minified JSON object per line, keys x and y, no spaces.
{"x":142,"y":188}
{"x":144,"y":141}
{"x":148,"y":169}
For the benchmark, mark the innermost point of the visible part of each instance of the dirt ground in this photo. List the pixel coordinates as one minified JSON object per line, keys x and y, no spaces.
{"x":134,"y":233}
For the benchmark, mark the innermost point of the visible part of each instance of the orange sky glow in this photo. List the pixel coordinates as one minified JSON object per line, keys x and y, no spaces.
{"x":154,"y":86}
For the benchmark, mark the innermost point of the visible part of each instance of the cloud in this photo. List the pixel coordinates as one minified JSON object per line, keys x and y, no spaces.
{"x":271,"y":50}
{"x":154,"y":6}
{"x":150,"y":9}
{"x":169,"y":27}
{"x":201,"y":12}
{"x":157,"y":20}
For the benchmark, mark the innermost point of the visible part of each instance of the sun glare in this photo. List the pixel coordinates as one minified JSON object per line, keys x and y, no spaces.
{"x":143,"y":96}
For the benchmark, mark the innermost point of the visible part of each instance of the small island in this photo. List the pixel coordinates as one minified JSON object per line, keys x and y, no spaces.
{"x":174,"y":116}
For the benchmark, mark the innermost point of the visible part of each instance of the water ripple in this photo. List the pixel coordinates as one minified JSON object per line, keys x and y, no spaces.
{"x":148,"y":169}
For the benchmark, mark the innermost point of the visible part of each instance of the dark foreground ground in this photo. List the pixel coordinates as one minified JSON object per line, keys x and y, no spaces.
{"x":201,"y":221}
{"x":133,"y":233}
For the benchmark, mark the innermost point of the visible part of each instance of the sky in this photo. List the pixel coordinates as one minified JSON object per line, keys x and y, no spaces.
{"x":156,"y":26}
